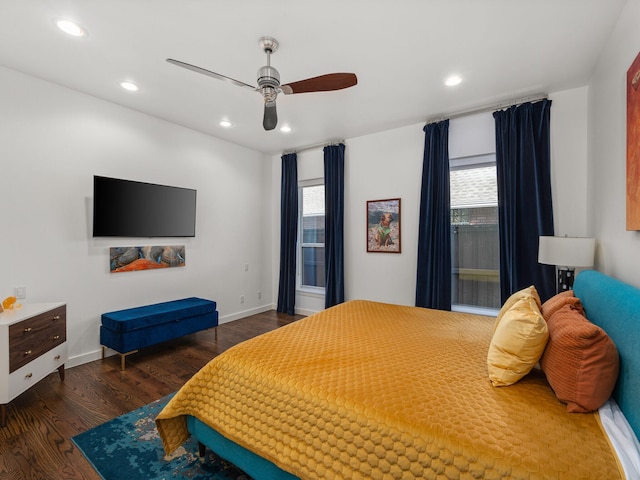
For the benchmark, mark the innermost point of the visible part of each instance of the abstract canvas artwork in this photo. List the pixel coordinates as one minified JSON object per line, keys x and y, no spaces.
{"x":633,"y":145}
{"x":130,"y":259}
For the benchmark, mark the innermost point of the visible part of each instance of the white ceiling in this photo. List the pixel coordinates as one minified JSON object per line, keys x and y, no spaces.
{"x":401,"y":52}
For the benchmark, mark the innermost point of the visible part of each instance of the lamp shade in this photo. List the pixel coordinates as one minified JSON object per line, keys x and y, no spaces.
{"x":566,"y":251}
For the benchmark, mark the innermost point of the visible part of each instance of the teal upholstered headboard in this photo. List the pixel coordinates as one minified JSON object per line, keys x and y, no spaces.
{"x":615,"y":307}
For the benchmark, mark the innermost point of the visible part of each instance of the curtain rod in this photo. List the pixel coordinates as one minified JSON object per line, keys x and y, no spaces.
{"x":462,"y":113}
{"x":311,"y":147}
{"x":491,"y":108}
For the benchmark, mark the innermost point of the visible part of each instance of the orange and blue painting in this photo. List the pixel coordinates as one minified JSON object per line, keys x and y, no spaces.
{"x":131,"y":259}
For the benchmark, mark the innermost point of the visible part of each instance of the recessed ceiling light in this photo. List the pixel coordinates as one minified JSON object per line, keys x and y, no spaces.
{"x":132,"y":87}
{"x":71,"y":28}
{"x":452,"y":81}
{"x":225,"y":123}
{"x":285,"y":128}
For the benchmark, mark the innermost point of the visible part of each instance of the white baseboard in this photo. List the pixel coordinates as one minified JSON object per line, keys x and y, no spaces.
{"x":246,"y":313}
{"x":87,"y":357}
{"x":305,"y":312}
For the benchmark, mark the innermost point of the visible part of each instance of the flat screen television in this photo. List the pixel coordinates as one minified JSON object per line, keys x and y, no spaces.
{"x":126,"y":208}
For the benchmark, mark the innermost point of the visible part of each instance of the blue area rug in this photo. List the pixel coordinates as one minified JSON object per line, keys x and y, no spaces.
{"x":129,"y":447}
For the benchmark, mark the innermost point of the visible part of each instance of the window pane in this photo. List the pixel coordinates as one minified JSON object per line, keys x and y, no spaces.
{"x":313,"y":229}
{"x":313,"y":214}
{"x":313,"y":200}
{"x":475,"y":257}
{"x":312,"y":222}
{"x":475,"y":254}
{"x":313,"y":266}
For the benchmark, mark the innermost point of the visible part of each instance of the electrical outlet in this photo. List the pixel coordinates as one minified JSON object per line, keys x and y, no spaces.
{"x":241,"y":298}
{"x":246,"y":267}
{"x":259,"y":295}
{"x":21,"y":292}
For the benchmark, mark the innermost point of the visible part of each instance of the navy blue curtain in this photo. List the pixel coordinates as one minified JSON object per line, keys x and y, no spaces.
{"x":334,"y":224}
{"x":433,"y":285}
{"x":288,"y":234}
{"x":523,"y":165}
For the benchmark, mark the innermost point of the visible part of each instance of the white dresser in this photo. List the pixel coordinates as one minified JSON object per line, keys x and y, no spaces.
{"x":33,"y":343}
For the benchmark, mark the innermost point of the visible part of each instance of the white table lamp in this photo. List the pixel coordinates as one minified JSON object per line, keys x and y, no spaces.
{"x":566,"y":253}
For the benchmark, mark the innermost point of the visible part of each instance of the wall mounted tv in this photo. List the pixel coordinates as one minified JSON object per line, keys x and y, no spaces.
{"x":125,"y":208}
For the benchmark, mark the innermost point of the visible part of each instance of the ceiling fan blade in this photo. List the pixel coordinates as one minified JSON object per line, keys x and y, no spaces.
{"x":210,"y":73}
{"x":323,"y":83}
{"x":270,"y":119}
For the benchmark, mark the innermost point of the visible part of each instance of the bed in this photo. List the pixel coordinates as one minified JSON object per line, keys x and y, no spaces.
{"x":372,"y":390}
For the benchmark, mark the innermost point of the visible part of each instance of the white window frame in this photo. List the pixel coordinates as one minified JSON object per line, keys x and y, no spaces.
{"x":309,"y":289}
{"x":475,"y":161}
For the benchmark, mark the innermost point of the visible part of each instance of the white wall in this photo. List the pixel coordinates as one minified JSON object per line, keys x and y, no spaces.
{"x":389,"y":165}
{"x":53,"y":140}
{"x":618,"y":251}
{"x":472,"y":135}
{"x":569,"y":162}
{"x":377,"y":167}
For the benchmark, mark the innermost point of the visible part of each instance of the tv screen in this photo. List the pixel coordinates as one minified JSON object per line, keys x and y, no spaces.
{"x":125,"y":208}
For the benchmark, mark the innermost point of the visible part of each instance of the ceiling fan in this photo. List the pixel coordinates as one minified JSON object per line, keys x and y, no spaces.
{"x":269,"y":82}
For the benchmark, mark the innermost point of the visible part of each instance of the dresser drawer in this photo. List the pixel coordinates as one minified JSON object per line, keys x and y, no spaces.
{"x":34,"y":336}
{"x":28,"y":375}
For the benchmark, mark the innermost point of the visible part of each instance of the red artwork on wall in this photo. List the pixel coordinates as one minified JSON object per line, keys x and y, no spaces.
{"x":633,"y":145}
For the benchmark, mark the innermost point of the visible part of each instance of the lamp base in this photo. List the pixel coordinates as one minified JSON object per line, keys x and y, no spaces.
{"x":565,"y":278}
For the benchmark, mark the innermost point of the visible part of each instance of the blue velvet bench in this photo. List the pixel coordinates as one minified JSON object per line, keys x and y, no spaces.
{"x":127,"y":331}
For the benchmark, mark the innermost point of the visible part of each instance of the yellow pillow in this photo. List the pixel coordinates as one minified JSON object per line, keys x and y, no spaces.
{"x":518,"y":343}
{"x":529,"y":292}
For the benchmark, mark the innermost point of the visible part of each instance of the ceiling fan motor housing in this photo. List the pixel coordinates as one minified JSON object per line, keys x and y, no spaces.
{"x":268,"y":82}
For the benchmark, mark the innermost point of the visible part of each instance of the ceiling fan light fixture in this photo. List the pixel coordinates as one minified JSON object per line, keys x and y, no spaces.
{"x":269,"y":94}
{"x":285,"y":129}
{"x":70,"y":28}
{"x":225,"y":124}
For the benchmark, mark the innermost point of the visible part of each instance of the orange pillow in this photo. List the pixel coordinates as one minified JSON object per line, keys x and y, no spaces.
{"x":580,"y":361}
{"x":558,"y":301}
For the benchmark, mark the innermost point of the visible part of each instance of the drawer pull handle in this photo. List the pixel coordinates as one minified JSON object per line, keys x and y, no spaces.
{"x":57,"y":317}
{"x":28,"y":352}
{"x":27,"y":330}
{"x":57,"y":357}
{"x":28,"y":375}
{"x":56,"y":337}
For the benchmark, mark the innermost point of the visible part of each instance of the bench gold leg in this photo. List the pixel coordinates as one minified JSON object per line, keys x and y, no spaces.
{"x":123,"y":356}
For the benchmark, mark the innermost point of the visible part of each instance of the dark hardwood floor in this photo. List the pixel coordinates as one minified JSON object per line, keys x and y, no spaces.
{"x":36,"y":441}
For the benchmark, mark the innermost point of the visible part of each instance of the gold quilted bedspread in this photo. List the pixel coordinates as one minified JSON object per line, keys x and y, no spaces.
{"x":367,"y":390}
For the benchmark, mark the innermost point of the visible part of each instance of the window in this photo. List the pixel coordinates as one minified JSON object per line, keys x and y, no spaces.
{"x":311,"y":250}
{"x":475,"y":253}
